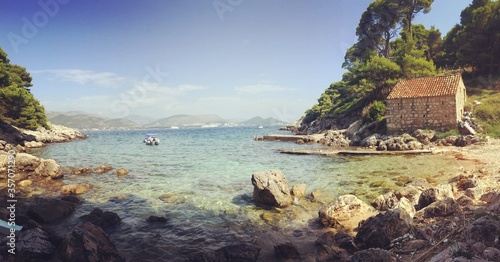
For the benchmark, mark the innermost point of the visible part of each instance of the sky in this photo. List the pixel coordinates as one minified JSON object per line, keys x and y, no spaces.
{"x":157,"y":58}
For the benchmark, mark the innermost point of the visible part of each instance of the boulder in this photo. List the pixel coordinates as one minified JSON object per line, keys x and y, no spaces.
{"x":238,"y":252}
{"x":26,"y":162}
{"x":441,"y":208}
{"x":431,"y":195}
{"x":33,"y":144}
{"x":48,"y":210}
{"x":485,"y":230}
{"x":102,"y":219}
{"x":378,"y":231}
{"x":81,"y":171}
{"x":271,"y":188}
{"x":408,"y":206}
{"x":370,"y":141}
{"x":347,"y":210}
{"x":492,"y":254}
{"x":33,"y":244}
{"x":172,"y":198}
{"x":299,"y":190}
{"x":334,"y":247}
{"x":286,"y":251}
{"x":49,"y":168}
{"x":374,"y":255}
{"x":425,"y":136}
{"x":121,"y":172}
{"x":75,"y":189}
{"x":103,"y":169}
{"x":409,"y":192}
{"x":88,"y":242}
{"x":385,"y":202}
{"x":156,"y":219}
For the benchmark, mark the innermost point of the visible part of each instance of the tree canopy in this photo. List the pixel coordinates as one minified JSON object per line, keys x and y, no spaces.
{"x":18,"y":106}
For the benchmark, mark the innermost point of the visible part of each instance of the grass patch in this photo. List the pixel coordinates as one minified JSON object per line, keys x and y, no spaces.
{"x":451,"y":132}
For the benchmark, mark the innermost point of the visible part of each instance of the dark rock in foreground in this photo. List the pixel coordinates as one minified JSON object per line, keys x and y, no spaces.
{"x":48,"y":210}
{"x":373,"y":255}
{"x":380,"y":230}
{"x":88,"y":242}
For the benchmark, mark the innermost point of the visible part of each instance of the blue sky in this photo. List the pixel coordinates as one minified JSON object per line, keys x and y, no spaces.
{"x":234,"y":58}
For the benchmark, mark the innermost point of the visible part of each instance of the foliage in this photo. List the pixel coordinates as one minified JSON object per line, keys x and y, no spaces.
{"x":390,"y":47}
{"x":451,"y":132}
{"x":376,"y":111}
{"x":18,"y":106}
{"x":488,"y":113}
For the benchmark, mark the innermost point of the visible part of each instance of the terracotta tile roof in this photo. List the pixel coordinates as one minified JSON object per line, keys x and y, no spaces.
{"x":426,"y":87}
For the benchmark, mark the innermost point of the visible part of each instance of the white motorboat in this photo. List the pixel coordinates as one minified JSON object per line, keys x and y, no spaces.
{"x":152,"y":140}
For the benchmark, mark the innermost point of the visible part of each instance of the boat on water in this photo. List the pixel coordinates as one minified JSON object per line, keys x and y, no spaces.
{"x":174,"y":127}
{"x":152,"y":140}
{"x":260,"y":127}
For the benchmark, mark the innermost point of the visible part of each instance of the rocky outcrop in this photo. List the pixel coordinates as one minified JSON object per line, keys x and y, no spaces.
{"x":347,"y":211}
{"x":88,"y":242}
{"x":271,"y":188}
{"x":55,"y":134}
{"x":102,"y":219}
{"x":434,"y":194}
{"x":34,"y":244}
{"x":103,"y":169}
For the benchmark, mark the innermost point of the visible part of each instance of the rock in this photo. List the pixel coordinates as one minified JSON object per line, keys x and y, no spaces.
{"x":81,"y":171}
{"x":409,"y":192}
{"x":334,"y":247}
{"x":465,"y":201}
{"x":491,"y":197}
{"x":103,"y":169}
{"x":71,"y":199}
{"x":431,"y":195}
{"x":88,"y":242}
{"x":485,"y":230}
{"x":271,"y":188}
{"x":347,"y":211}
{"x":314,"y":196}
{"x":33,"y":244}
{"x":353,"y":128}
{"x":299,"y":190}
{"x":492,"y":254}
{"x":441,"y":208}
{"x":418,"y":183}
{"x":156,"y":219}
{"x":425,"y":136}
{"x":415,"y":244}
{"x":385,"y":202}
{"x":370,"y":141}
{"x":26,"y":162}
{"x":75,"y":189}
{"x":49,"y":168}
{"x":121,"y":172}
{"x":380,"y":230}
{"x":104,"y":220}
{"x":48,"y":210}
{"x":373,"y":255}
{"x":238,"y":252}
{"x":33,"y":144}
{"x":172,"y":198}
{"x":25,"y":183}
{"x":405,"y":204}
{"x":286,"y":251}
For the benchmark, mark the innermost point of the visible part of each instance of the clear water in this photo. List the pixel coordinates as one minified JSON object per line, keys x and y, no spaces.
{"x":208,"y":171}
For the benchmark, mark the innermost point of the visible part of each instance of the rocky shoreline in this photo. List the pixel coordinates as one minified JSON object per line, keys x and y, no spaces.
{"x":417,"y":222}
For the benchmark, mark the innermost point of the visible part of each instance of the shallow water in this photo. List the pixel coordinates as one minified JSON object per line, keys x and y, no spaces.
{"x":206,"y":172}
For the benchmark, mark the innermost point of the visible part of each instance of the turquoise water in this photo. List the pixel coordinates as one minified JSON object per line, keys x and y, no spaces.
{"x":208,"y":173}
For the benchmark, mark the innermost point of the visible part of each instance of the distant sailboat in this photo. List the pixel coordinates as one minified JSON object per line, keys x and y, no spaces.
{"x":260,"y":127}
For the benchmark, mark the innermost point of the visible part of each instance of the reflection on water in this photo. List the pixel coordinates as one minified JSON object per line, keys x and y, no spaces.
{"x":199,"y":179}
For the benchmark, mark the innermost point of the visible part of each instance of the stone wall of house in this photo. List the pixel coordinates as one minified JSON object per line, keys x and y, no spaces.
{"x":460,"y":99}
{"x":408,"y":114}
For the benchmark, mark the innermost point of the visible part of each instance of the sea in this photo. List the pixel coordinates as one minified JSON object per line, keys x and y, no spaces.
{"x":199,"y":179}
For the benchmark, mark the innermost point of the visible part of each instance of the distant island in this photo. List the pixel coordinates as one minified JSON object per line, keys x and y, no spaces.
{"x":85,"y":121}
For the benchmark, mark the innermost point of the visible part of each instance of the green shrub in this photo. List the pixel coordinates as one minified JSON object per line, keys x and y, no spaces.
{"x":376,"y":111}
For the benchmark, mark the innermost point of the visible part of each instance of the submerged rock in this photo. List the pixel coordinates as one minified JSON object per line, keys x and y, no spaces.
{"x":347,"y":210}
{"x":121,"y":172}
{"x":103,"y":219}
{"x":334,"y":247}
{"x":271,"y":188}
{"x":75,"y":189}
{"x":286,"y":251}
{"x":88,"y":242}
{"x":103,"y":169}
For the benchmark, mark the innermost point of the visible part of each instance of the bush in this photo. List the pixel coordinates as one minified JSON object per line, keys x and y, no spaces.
{"x":376,"y":111}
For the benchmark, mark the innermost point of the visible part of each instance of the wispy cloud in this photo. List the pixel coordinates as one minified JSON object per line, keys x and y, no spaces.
{"x":83,"y":77}
{"x":260,"y":88}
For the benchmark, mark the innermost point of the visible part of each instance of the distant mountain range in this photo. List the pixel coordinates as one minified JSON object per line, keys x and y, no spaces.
{"x":85,"y":121}
{"x":259,"y":121}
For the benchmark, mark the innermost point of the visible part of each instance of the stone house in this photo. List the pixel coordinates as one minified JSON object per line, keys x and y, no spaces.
{"x":426,"y":103}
